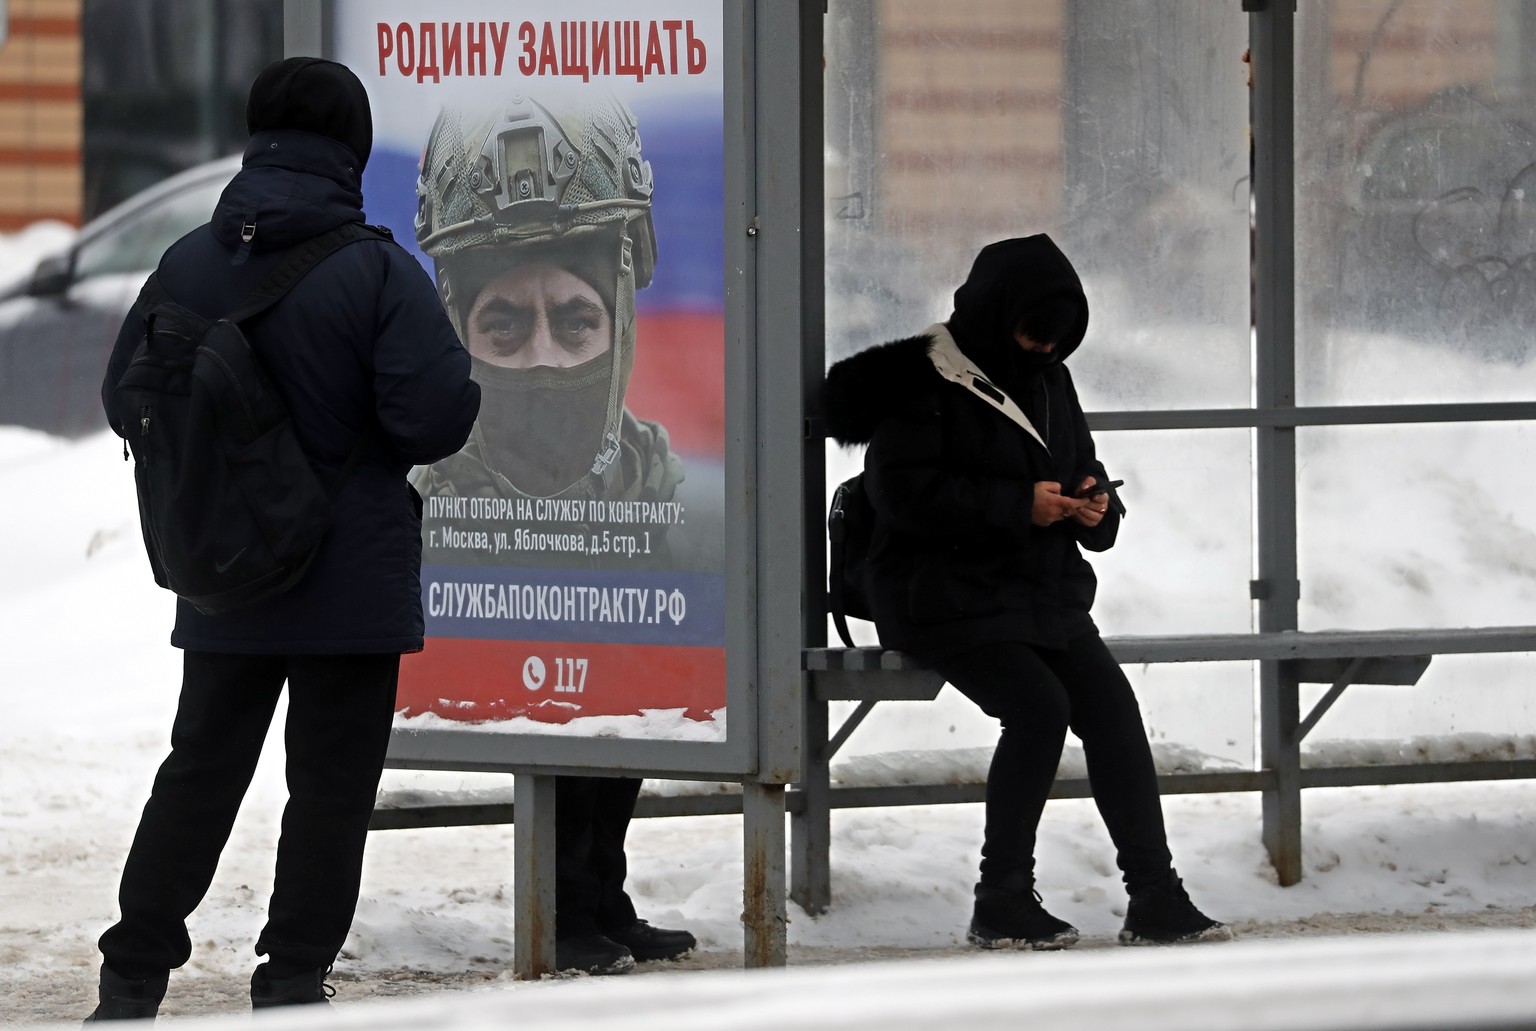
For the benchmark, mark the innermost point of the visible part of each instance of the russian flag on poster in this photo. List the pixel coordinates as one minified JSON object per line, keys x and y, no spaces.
{"x":562,"y":180}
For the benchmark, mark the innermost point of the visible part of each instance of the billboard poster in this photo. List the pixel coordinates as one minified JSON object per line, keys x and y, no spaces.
{"x":558,"y":170}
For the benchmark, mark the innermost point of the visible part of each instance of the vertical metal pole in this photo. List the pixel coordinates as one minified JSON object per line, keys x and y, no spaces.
{"x":810,"y":879}
{"x":212,"y":75}
{"x":533,"y":876}
{"x":1280,"y":750}
{"x":813,"y":359}
{"x":304,"y":28}
{"x":811,"y":829}
{"x":1277,"y":590}
{"x":763,"y":912}
{"x":787,"y":234}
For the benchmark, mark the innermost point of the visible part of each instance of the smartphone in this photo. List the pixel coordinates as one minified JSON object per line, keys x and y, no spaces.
{"x":1098,"y":488}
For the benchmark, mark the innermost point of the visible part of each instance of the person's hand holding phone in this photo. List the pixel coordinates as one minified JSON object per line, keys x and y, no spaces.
{"x":1095,"y":500}
{"x":1051,"y":505}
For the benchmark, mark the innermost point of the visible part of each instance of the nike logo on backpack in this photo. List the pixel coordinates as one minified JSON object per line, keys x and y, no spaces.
{"x":220,"y":567}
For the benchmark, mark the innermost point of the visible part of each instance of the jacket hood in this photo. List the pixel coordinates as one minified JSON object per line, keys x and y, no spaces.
{"x":314,"y":95}
{"x":293,"y":185}
{"x":865,"y":388}
{"x":1007,"y":279}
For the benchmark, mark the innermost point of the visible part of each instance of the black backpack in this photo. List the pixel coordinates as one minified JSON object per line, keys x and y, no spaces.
{"x":850,"y":525}
{"x":231,"y":509}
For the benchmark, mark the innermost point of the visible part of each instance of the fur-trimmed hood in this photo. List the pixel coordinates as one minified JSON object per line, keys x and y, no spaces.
{"x":865,"y":388}
{"x":1006,"y":279}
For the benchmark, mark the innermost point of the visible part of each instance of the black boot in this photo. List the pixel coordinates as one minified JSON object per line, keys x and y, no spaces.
{"x":1008,"y":915}
{"x":646,"y":942}
{"x":1162,"y":914}
{"x":124,"y":998}
{"x":592,"y":953}
{"x":307,"y":988}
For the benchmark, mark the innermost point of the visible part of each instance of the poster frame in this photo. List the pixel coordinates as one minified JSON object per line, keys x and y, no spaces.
{"x":765,"y":275}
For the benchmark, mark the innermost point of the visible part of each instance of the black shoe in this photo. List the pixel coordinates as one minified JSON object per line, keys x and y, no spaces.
{"x":592,"y":954}
{"x":1162,"y":914}
{"x":124,"y":998}
{"x":1012,"y":917}
{"x":302,"y":989}
{"x":646,"y":942}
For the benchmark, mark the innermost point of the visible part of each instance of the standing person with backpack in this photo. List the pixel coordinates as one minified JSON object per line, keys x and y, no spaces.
{"x":374,"y":381}
{"x":984,"y":484}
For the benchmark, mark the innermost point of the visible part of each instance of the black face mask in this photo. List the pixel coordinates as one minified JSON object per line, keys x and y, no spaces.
{"x":1011,"y":367}
{"x":1032,"y":361}
{"x":542,"y":428}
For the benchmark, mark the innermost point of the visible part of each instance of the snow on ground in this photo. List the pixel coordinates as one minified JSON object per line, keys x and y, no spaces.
{"x":1415,"y":898}
{"x":89,"y":691}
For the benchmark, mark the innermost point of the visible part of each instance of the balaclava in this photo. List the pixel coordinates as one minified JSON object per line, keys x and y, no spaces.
{"x":541,"y":427}
{"x":1006,"y":279}
{"x":313,"y":95}
{"x":513,"y":182}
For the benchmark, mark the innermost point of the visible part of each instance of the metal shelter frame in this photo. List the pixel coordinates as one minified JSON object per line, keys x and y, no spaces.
{"x":1274,"y":418}
{"x":776,"y":453}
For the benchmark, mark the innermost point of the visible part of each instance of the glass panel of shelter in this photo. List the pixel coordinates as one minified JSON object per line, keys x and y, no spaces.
{"x":1121,"y":131}
{"x":1415,"y":201}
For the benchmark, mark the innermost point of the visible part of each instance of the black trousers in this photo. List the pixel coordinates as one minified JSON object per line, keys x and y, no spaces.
{"x":339,"y":714}
{"x":592,"y":816}
{"x":1037,"y":694}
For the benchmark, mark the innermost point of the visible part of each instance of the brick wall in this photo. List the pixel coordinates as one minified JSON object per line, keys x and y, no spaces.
{"x":1398,"y":53}
{"x":970,"y":125}
{"x":970,"y":115}
{"x":40,"y":114}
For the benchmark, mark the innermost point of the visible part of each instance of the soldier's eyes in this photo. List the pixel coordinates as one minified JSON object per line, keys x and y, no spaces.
{"x":573,"y":326}
{"x":506,"y":330}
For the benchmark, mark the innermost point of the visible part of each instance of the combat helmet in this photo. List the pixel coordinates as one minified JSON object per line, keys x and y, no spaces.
{"x":527,"y":172}
{"x":525,"y":175}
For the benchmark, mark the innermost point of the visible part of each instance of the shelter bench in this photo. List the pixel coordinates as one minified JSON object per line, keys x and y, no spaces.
{"x":1335,"y":657}
{"x":872,"y":675}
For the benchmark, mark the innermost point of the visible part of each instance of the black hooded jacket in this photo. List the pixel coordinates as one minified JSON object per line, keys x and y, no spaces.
{"x":361,"y":344}
{"x":955,"y":559}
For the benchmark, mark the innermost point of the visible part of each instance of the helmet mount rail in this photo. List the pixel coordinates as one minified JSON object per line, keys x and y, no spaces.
{"x":508,"y":219}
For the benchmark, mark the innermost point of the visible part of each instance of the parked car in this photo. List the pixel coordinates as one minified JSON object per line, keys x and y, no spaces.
{"x":57,"y":326}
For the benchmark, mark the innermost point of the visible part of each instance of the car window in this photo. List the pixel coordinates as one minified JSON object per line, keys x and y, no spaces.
{"x":136,"y":243}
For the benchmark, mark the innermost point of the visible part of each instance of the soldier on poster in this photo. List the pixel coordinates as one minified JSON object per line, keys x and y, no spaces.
{"x":536,"y":214}
{"x":540,"y":231}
